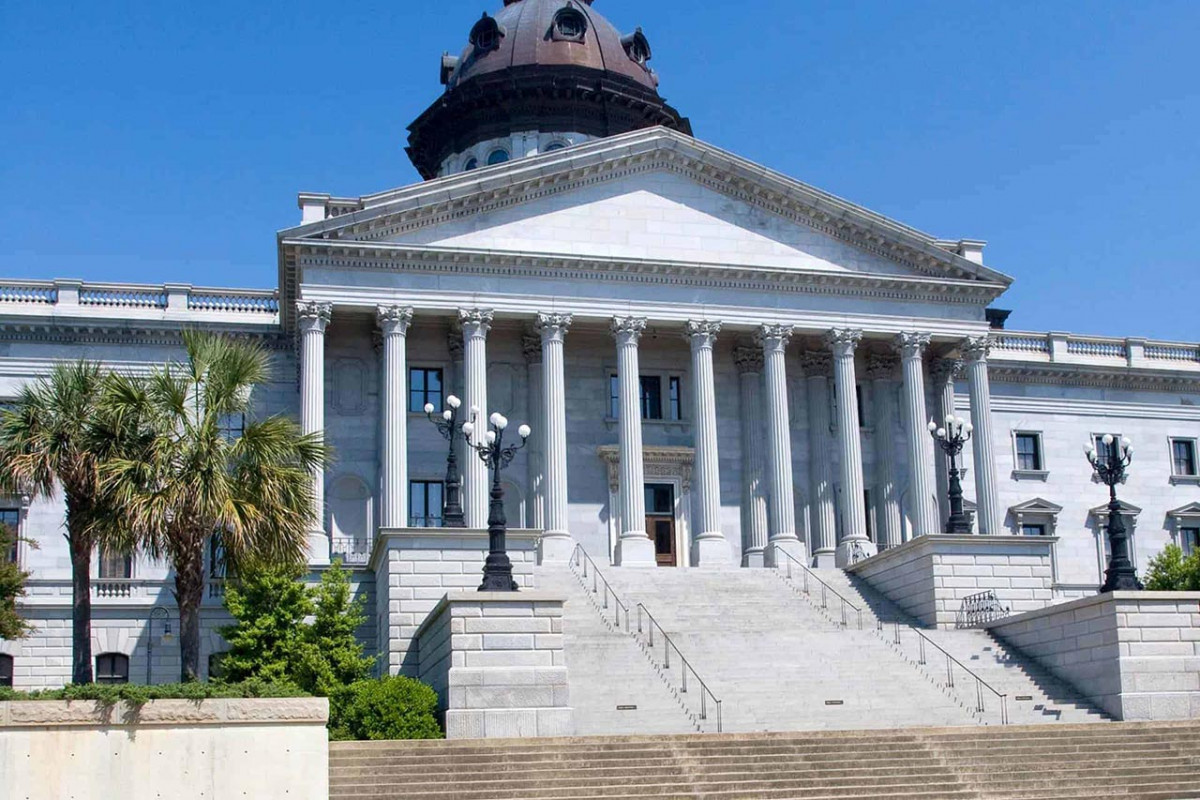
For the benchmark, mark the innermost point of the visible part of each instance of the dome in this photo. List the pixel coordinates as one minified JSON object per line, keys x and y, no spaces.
{"x":540,"y":67}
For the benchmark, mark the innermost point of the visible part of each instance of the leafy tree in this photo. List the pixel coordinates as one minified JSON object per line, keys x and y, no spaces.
{"x":1171,"y":571}
{"x":179,"y":476}
{"x":287,"y":632}
{"x":12,"y":586}
{"x":49,"y":439}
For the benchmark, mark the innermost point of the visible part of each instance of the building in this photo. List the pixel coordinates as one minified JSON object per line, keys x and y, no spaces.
{"x":720,"y":364}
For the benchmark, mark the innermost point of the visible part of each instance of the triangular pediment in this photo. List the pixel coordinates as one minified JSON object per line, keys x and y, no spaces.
{"x":1037,"y":505}
{"x":1128,"y":509}
{"x":1189,"y":510}
{"x":654,"y":195}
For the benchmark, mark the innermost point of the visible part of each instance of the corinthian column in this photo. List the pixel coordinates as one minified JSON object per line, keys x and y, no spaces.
{"x":943,"y":372}
{"x":854,"y":543}
{"x":822,"y":513}
{"x":393,"y":324}
{"x":311,"y":320}
{"x":975,"y":353}
{"x":535,"y":447}
{"x":634,"y":548}
{"x":881,"y":370}
{"x":710,"y":547}
{"x":476,"y":322}
{"x":749,"y":362}
{"x":781,"y":507}
{"x":911,"y":347}
{"x":557,"y":544}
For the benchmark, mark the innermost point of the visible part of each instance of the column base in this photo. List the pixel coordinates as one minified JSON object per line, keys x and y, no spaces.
{"x":634,"y":549}
{"x":318,"y":549}
{"x":711,"y":551}
{"x":787,"y":544}
{"x":852,"y":551}
{"x":754,"y":558}
{"x":825,"y":559}
{"x":555,"y":547}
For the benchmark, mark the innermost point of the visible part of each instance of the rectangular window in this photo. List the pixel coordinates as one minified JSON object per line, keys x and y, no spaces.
{"x":112,"y":668}
{"x":614,"y":397}
{"x":1189,"y":540}
{"x":660,"y":498}
{"x":1029,"y":451}
{"x":676,"y":397}
{"x":425,"y":504}
{"x":1033,"y":530}
{"x":232,"y":426}
{"x":216,"y":557}
{"x":424,"y":386}
{"x":6,"y":671}
{"x":652,"y":405}
{"x":114,"y":565}
{"x":1183,"y":457}
{"x":10,"y":523}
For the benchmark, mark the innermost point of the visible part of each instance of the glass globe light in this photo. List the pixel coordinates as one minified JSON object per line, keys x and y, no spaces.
{"x":1089,"y":448}
{"x":502,"y":423}
{"x":949,"y":419}
{"x":447,"y":415}
{"x":429,"y":408}
{"x":941,"y":433}
{"x":932,"y":426}
{"x":474,"y":411}
{"x":524,"y":431}
{"x":1126,"y":443}
{"x":495,"y":418}
{"x":968,"y":427}
{"x":453,"y":401}
{"x":1107,"y":438}
{"x":468,"y":429}
{"x":490,"y":436}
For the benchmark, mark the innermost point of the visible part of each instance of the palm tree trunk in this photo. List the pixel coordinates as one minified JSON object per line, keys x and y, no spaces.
{"x":81,"y":600}
{"x":189,"y":593}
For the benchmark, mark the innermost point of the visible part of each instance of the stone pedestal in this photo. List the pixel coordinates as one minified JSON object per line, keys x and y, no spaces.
{"x":496,"y":661}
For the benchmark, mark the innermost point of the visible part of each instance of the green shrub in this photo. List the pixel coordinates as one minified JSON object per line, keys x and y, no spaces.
{"x":384,"y":708}
{"x":137,"y":694}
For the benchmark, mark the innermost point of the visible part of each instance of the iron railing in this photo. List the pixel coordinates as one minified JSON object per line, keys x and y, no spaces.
{"x":951,"y":663}
{"x":684,"y":665}
{"x":581,"y":561}
{"x":826,"y":589}
{"x":979,"y":609}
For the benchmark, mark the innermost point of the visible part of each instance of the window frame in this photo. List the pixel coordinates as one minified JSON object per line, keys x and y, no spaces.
{"x":101,"y":559}
{"x":112,"y":678}
{"x":427,"y":517}
{"x":14,"y":554}
{"x":668,"y":406}
{"x":1101,"y":448}
{"x":1189,"y":546}
{"x":492,"y":161}
{"x":440,"y":402}
{"x":1039,"y":451}
{"x":230,"y":432}
{"x":1039,"y":527}
{"x":1184,"y":477}
{"x":6,"y":680}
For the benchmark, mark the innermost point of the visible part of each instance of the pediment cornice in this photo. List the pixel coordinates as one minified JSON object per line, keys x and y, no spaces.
{"x":121,"y":333}
{"x":1094,"y":376}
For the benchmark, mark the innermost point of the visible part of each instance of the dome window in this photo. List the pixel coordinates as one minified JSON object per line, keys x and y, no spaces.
{"x":570,"y":25}
{"x":550,"y":148}
{"x":486,"y":35}
{"x":497,"y":156}
{"x":472,"y":163}
{"x":637,"y":47}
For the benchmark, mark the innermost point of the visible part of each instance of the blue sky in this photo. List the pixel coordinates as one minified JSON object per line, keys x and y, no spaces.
{"x":166,"y":142}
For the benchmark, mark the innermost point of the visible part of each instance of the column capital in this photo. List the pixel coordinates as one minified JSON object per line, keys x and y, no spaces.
{"x":531,"y":346}
{"x":817,"y":364}
{"x":842,"y":342}
{"x":774,"y":337}
{"x":313,"y":316}
{"x":553,"y":327}
{"x":976,"y":348}
{"x":702,"y":332}
{"x":627,"y":330}
{"x":945,"y":370}
{"x":911,"y":344}
{"x":454,"y":340}
{"x":748,"y":359}
{"x":394,"y":320}
{"x":882,"y":366}
{"x":475,"y":321}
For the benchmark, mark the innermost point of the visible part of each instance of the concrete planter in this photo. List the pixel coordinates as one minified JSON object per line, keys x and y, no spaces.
{"x":182,"y":749}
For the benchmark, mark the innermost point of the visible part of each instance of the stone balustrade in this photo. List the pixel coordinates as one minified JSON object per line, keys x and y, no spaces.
{"x":138,"y":301}
{"x":1069,"y":348}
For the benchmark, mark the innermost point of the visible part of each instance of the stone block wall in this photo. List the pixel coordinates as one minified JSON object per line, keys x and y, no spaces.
{"x":496,"y":661}
{"x":930,"y":576}
{"x":1135,"y":654}
{"x":415,"y":567}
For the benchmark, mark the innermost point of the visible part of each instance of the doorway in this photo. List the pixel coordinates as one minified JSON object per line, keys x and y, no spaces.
{"x":660,"y":522}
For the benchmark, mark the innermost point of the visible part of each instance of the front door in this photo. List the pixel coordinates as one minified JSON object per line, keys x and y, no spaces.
{"x":660,"y":522}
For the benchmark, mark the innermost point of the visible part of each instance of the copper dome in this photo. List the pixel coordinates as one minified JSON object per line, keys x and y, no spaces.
{"x":544,"y":65}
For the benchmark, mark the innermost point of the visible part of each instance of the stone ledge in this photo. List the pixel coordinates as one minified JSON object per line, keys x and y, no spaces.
{"x":921,"y":543}
{"x":92,"y":713}
{"x":1086,"y":602}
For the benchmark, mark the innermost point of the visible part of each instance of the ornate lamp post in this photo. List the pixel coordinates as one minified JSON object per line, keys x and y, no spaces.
{"x":951,"y":439}
{"x":497,"y":570}
{"x":158,"y":612}
{"x":1110,"y":468}
{"x":450,"y":428}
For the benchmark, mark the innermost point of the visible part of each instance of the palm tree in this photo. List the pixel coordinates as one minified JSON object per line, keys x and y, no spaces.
{"x":183,"y":477}
{"x":48,"y":440}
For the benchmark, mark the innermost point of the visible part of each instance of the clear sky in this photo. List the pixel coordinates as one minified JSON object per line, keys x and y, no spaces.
{"x":150,"y":141}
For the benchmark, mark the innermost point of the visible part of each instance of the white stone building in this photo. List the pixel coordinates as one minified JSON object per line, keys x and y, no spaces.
{"x":577,"y":260}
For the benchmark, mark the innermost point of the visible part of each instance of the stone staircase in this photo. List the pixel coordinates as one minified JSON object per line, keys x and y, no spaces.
{"x":1146,"y":761}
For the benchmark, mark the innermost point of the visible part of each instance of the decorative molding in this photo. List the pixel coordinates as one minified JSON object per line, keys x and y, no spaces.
{"x":553,"y":327}
{"x":313,"y":316}
{"x":748,"y":359}
{"x":657,"y":462}
{"x":976,"y":348}
{"x":394,"y":320}
{"x":531,"y":345}
{"x":627,"y":329}
{"x":119,"y":332}
{"x":475,"y":322}
{"x":842,"y":342}
{"x":1095,"y":376}
{"x":945,"y":370}
{"x":817,"y":363}
{"x":910,"y":344}
{"x":882,"y":366}
{"x":774,"y":337}
{"x":454,"y":340}
{"x":701,"y":333}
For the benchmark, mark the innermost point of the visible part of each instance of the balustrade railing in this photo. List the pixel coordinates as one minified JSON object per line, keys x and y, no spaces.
{"x":1058,"y":345}
{"x":607,"y":598}
{"x":114,"y":587}
{"x":647,"y":625}
{"x":1024,"y":343}
{"x":352,"y":550}
{"x":1096,"y":347}
{"x":233,"y":301}
{"x":38,"y":293}
{"x":953,"y":668}
{"x":116,"y":295}
{"x":1167,"y":352}
{"x":138,"y":296}
{"x":846,"y":607}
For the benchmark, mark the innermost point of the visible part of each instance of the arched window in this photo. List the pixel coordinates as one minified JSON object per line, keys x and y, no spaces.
{"x":570,"y":25}
{"x":486,"y":35}
{"x":637,"y":47}
{"x":472,"y":163}
{"x":497,"y":156}
{"x":112,"y":668}
{"x":550,"y":148}
{"x":6,"y":671}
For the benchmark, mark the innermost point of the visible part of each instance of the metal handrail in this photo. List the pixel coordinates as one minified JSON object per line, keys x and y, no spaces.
{"x":686,"y":666}
{"x":581,"y":560}
{"x":951,"y":661}
{"x":826,"y":589}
